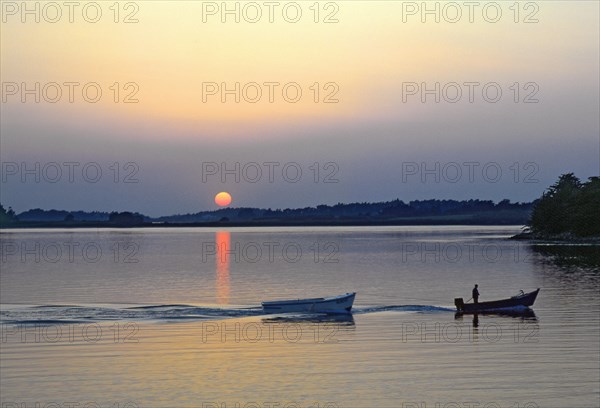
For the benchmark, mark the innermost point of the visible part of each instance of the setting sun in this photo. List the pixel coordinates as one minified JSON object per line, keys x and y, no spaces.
{"x":223,"y":199}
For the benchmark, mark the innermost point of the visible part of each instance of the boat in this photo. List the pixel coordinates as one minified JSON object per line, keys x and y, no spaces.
{"x":522,"y":300}
{"x":334,"y":304}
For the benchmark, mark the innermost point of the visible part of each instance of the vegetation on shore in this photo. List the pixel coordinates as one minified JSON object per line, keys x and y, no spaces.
{"x":7,"y":217}
{"x":567,"y":210}
{"x":396,"y":212}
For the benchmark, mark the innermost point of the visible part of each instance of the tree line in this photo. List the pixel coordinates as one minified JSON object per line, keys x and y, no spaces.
{"x":569,"y":207}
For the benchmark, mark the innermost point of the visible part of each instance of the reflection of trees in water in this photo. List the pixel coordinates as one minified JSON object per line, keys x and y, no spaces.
{"x":587,"y":256}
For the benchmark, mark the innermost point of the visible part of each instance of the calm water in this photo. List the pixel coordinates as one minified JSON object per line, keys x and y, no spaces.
{"x":166,"y":318}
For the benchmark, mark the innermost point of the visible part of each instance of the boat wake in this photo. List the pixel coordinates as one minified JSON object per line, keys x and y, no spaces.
{"x":72,"y":314}
{"x":62,"y":314}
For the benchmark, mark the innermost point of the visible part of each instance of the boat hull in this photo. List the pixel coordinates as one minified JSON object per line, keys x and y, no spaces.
{"x":335,"y":304}
{"x":524,"y":301}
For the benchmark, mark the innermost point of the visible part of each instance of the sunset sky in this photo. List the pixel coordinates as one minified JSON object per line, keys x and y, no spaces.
{"x":366,"y":143}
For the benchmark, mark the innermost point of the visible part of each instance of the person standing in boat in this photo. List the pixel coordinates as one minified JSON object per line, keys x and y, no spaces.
{"x":475,"y":294}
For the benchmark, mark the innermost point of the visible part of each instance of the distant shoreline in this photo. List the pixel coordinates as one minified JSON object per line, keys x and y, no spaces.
{"x":263,"y":223}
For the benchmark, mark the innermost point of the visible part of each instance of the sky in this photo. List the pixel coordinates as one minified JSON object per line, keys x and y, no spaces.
{"x":157,"y":106}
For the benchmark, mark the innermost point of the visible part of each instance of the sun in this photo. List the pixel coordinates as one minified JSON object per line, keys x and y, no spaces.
{"x":223,"y":199}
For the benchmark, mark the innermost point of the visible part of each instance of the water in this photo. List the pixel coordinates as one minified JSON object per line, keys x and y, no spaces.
{"x":169,"y":318}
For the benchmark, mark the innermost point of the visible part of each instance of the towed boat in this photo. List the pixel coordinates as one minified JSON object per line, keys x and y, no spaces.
{"x":521,"y":300}
{"x":333,"y":304}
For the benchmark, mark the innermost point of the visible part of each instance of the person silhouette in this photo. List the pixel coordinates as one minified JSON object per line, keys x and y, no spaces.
{"x":475,"y":294}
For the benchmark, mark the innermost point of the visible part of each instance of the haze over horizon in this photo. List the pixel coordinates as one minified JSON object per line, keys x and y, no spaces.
{"x":368,"y":137}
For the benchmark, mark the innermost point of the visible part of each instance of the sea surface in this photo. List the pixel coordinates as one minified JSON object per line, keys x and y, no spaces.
{"x":166,"y":317}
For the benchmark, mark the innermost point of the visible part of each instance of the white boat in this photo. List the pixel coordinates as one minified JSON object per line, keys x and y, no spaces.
{"x":333,"y":304}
